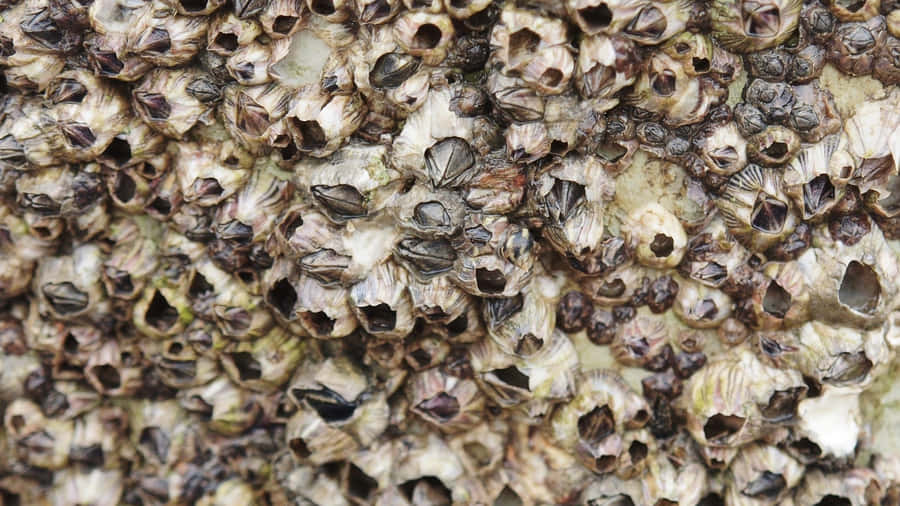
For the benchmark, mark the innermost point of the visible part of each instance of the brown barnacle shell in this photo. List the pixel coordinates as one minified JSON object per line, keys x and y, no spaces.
{"x":449,"y":403}
{"x":499,"y":187}
{"x":656,"y":235}
{"x":817,"y":177}
{"x":755,"y":208}
{"x":761,"y":473}
{"x":592,"y":424}
{"x":173,"y":101}
{"x":569,"y":196}
{"x":640,"y":341}
{"x":887,"y":62}
{"x":854,"y":46}
{"x":782,"y":301}
{"x":745,"y":26}
{"x":729,"y":400}
{"x":773,"y":147}
{"x":250,"y":112}
{"x":605,"y":65}
{"x":701,"y":306}
{"x":850,"y":284}
{"x":532,"y":382}
{"x":722,"y":149}
{"x":167,"y":40}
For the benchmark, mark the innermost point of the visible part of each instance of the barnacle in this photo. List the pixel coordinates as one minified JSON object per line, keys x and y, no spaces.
{"x":449,"y":252}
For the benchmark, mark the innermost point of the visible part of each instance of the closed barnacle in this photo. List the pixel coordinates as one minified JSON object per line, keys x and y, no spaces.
{"x":640,"y":341}
{"x":167,"y":101}
{"x":605,"y":65}
{"x":761,"y":474}
{"x":592,"y":424}
{"x":70,"y":286}
{"x":807,"y":64}
{"x":700,"y":306}
{"x":755,"y":208}
{"x":165,"y":40}
{"x":814,"y":114}
{"x":29,"y":65}
{"x":774,"y":99}
{"x":450,"y":403}
{"x":521,"y":324}
{"x":226,"y":409}
{"x":59,"y":191}
{"x":745,"y":26}
{"x":132,"y":259}
{"x":109,"y":56}
{"x":250,"y":112}
{"x":888,"y":61}
{"x":431,"y":213}
{"x":203,"y":179}
{"x":854,"y":46}
{"x":816,"y":178}
{"x":769,"y":64}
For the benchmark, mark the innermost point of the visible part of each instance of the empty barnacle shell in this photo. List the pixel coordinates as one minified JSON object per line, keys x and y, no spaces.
{"x":851,"y":284}
{"x":755,"y":208}
{"x":527,"y":142}
{"x":381,"y":302}
{"x":816,"y":178}
{"x":729,"y":401}
{"x":656,"y":236}
{"x":761,"y":474}
{"x":591,"y":425}
{"x":227,"y":32}
{"x":783,"y":300}
{"x":496,"y":258}
{"x":450,"y":403}
{"x":115,"y":370}
{"x":749,"y":25}
{"x":264,"y":364}
{"x":173,"y":101}
{"x":774,"y":146}
{"x":424,"y":35}
{"x":324,"y":312}
{"x":319,"y":124}
{"x":531,"y":383}
{"x":283,"y":18}
{"x":873,"y":142}
{"x":227,"y":409}
{"x":723,"y":149}
{"x":853,"y":486}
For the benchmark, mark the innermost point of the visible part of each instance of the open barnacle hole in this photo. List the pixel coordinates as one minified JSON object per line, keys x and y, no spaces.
{"x":378,"y":318}
{"x":117,"y":153}
{"x":393,"y":69}
{"x":662,"y":245}
{"x":105,"y":375}
{"x":774,"y":152}
{"x":769,"y":214}
{"x":522,"y":46}
{"x":767,"y":485}
{"x":247,"y":367}
{"x":448,"y":160}
{"x":329,"y":405}
{"x":118,"y":282}
{"x":153,"y":105}
{"x":283,"y":297}
{"x":596,"y":425}
{"x":317,"y":322}
{"x":427,"y":36}
{"x":594,"y":18}
{"x":207,"y":190}
{"x":860,"y":289}
{"x":428,"y":258}
{"x":426,"y":490}
{"x":782,"y":404}
{"x":776,"y":301}
{"x":160,"y":314}
{"x":760,"y":19}
{"x":720,"y":427}
{"x":65,"y":298}
{"x":224,"y":43}
{"x":155,"y":443}
{"x":322,"y":7}
{"x":283,"y":24}
{"x":663,"y":83}
{"x":509,"y":384}
{"x":342,"y":202}
{"x":193,"y":5}
{"x":649,"y":24}
{"x":358,"y":485}
{"x":490,"y":281}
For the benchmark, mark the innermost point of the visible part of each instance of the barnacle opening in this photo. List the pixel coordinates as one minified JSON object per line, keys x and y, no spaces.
{"x":120,"y":281}
{"x":663,"y":83}
{"x":595,"y":425}
{"x":379,"y":318}
{"x":508,"y":497}
{"x":511,"y":376}
{"x":528,"y":344}
{"x":662,"y":245}
{"x":427,"y":486}
{"x":65,"y":298}
{"x":248,"y":368}
{"x":193,"y":5}
{"x":596,"y":17}
{"x":329,"y":405}
{"x":119,"y":151}
{"x":806,"y":448}
{"x":360,"y":484}
{"x":160,"y":314}
{"x":782,"y":404}
{"x":107,"y":375}
{"x":284,"y":24}
{"x":761,"y":20}
{"x":719,"y":426}
{"x":282,"y":296}
{"x":322,"y":7}
{"x":776,"y":301}
{"x":457,"y":326}
{"x":427,"y":36}
{"x":318,"y":321}
{"x":298,"y":448}
{"x":490,"y":280}
{"x":848,"y":368}
{"x":312,"y":136}
{"x":860,"y":289}
{"x":443,"y":407}
{"x":637,"y":451}
{"x":834,"y":500}
{"x":160,"y":205}
{"x":769,"y":214}
{"x":226,"y":41}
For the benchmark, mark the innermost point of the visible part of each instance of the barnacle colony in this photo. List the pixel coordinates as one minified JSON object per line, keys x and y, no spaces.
{"x":432,"y":252}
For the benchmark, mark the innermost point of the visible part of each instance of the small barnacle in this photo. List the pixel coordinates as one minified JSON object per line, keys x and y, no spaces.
{"x":750,"y":25}
{"x":769,"y":64}
{"x":783,"y":300}
{"x":605,"y":66}
{"x":762,"y":473}
{"x":640,"y":341}
{"x":170,"y":102}
{"x":755,"y":208}
{"x":381,"y":302}
{"x":665,"y":87}
{"x":816,"y":178}
{"x":424,"y":35}
{"x":773,"y":99}
{"x":854,"y":46}
{"x":749,"y":119}
{"x":774,"y":146}
{"x":657,"y":236}
{"x":700,"y":306}
{"x":450,"y":403}
{"x":855,"y":11}
{"x":723,"y":149}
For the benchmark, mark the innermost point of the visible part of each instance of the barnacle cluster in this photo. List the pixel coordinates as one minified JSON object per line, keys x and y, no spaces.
{"x":433,"y":252}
